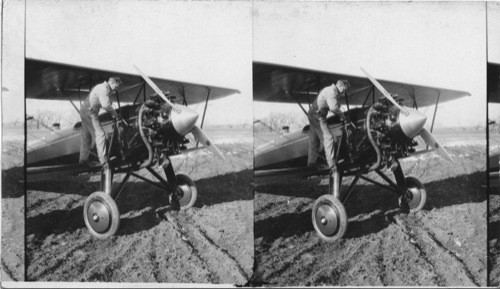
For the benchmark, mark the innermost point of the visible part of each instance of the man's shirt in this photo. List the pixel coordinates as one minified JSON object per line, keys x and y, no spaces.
{"x":327,"y":100}
{"x":99,"y":97}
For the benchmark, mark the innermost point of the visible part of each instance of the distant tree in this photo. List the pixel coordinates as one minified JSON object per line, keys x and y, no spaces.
{"x":275,"y":121}
{"x":43,"y":119}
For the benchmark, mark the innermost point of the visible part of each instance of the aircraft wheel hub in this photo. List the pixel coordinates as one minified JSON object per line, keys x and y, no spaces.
{"x":99,"y":216}
{"x":184,"y":194}
{"x":186,"y":191}
{"x":414,"y":197}
{"x":415,"y":194}
{"x":328,"y":219}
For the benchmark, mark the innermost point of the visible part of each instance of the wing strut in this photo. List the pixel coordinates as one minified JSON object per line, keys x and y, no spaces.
{"x":294,"y":98}
{"x":183,"y":94}
{"x":434,"y":115}
{"x":346,"y":100}
{"x":205,"y":109}
{"x":412,"y":95}
{"x":372,"y":92}
{"x":143,"y":84}
{"x":73,"y":104}
{"x":118,"y":99}
{"x":435,"y":109}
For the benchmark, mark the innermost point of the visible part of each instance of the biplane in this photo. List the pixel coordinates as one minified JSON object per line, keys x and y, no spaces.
{"x":493,"y":91}
{"x":153,"y":126}
{"x":382,"y":123}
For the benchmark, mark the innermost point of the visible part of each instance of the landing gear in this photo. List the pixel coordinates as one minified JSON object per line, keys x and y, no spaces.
{"x":186,"y":192}
{"x":328,"y":214}
{"x":182,"y":190}
{"x":413,"y":195}
{"x":100,"y":211}
{"x":416,"y":195}
{"x":329,"y":218}
{"x":101,"y":215}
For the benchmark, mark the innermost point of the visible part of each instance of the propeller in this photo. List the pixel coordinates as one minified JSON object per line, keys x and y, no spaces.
{"x":431,"y":141}
{"x":202,"y":138}
{"x":157,"y":90}
{"x":184,"y":121}
{"x":412,"y":121}
{"x":384,"y":92}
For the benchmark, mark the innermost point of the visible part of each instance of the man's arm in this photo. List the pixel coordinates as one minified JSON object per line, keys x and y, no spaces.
{"x":333,"y":104}
{"x":106,"y":103}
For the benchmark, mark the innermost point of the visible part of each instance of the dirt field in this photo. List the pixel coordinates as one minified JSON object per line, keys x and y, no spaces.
{"x":494,"y":224}
{"x":209,"y":243}
{"x":12,"y":211}
{"x":443,"y":245}
{"x":494,"y":238}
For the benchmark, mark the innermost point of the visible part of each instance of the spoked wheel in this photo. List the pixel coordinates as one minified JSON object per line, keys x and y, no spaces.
{"x":101,"y":215}
{"x":186,"y":192}
{"x":329,"y":218}
{"x":417,"y":196}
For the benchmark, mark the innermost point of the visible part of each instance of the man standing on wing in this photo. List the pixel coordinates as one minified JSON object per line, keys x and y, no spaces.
{"x":327,"y":100}
{"x":91,"y":128}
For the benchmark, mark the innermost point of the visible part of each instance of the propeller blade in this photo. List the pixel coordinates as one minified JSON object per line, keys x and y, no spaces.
{"x":431,"y":141}
{"x":156,"y":89}
{"x":201,"y":137}
{"x":383,"y":91}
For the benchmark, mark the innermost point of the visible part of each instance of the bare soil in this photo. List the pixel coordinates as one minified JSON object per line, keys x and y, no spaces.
{"x":494,"y":221}
{"x":211,"y":242}
{"x":442,"y":245}
{"x":12,"y":211}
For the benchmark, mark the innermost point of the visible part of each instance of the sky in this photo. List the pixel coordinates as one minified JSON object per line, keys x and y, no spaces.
{"x":431,"y":44}
{"x":434,"y":44}
{"x":207,"y":43}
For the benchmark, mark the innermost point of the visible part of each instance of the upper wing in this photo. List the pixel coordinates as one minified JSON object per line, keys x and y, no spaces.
{"x":276,"y":83}
{"x":493,"y":76}
{"x":47,"y":80}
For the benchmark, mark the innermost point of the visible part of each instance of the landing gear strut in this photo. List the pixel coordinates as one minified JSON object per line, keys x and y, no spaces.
{"x":329,"y":216}
{"x":413,"y":195}
{"x":100,"y":212}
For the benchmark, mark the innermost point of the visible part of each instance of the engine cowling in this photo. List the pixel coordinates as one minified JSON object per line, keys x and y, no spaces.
{"x":392,"y":131}
{"x":164,"y":129}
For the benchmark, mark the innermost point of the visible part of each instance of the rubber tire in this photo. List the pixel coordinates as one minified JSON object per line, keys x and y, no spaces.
{"x":183,"y":180}
{"x":114,"y":214}
{"x":414,"y":183}
{"x":342,"y":217}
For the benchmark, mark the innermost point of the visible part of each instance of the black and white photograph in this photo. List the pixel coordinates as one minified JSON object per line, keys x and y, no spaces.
{"x":139,"y":149}
{"x":252,"y":143}
{"x":370,"y":155}
{"x":493,"y":91}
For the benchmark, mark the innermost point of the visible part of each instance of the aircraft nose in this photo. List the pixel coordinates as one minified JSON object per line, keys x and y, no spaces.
{"x":184,"y":121}
{"x":412,"y":123}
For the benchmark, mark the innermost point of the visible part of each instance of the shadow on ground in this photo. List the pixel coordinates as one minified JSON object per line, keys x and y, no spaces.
{"x":365,"y":200}
{"x":139,"y":200}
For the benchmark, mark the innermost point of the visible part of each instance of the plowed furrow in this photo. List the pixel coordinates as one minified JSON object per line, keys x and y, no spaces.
{"x":288,"y":262}
{"x":218,"y":260}
{"x":102,"y":269}
{"x":55,"y":264}
{"x":7,"y":271}
{"x":446,"y":264}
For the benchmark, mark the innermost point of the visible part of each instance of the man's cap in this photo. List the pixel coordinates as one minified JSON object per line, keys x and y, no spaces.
{"x":116,"y":79}
{"x":345,"y":83}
